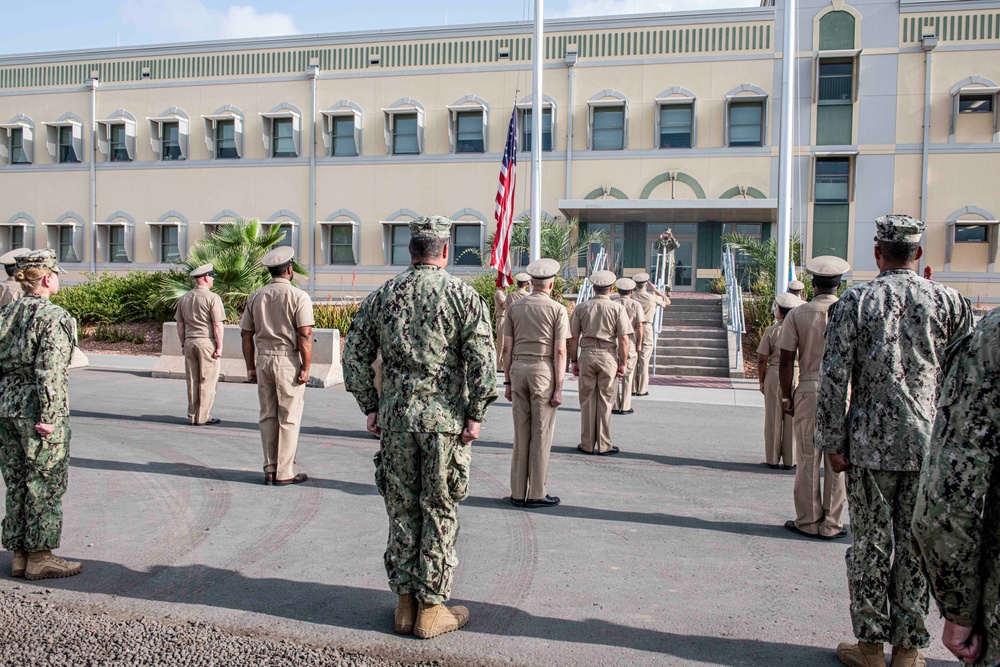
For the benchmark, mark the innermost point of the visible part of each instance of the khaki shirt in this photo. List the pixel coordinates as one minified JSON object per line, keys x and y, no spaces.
{"x":275,"y":312}
{"x":500,"y":306}
{"x":519,"y":293}
{"x":535,"y":324}
{"x":600,"y":322}
{"x":636,"y":317}
{"x":10,"y":291}
{"x":198,"y":311}
{"x":803,"y":330}
{"x":649,"y":303}
{"x":769,"y":345}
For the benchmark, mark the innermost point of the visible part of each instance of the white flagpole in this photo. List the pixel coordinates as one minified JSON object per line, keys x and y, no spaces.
{"x":786,"y":148}
{"x":536,"y":140}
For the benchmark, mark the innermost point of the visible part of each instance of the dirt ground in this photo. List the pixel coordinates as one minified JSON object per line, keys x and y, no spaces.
{"x":153,"y":333}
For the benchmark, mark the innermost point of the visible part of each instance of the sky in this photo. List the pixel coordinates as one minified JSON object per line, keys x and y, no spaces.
{"x":90,"y":24}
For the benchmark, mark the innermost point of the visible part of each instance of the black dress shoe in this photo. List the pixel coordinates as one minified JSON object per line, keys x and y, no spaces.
{"x":515,"y":502}
{"x":616,"y":412}
{"x":298,"y":479}
{"x":210,"y":422}
{"x":790,"y":525}
{"x":547,"y":501}
{"x":611,"y":452}
{"x":626,"y":412}
{"x":772,"y":466}
{"x":645,"y":393}
{"x":580,"y":449}
{"x":842,"y":533}
{"x":787,"y":467}
{"x":269,"y":478}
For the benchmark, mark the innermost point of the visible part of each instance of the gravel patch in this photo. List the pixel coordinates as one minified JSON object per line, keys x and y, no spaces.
{"x":36,"y":632}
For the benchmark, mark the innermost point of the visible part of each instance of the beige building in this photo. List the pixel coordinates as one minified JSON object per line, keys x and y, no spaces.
{"x":123,"y":158}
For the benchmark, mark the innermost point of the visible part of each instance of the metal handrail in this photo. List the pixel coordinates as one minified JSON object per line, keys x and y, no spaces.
{"x":663,"y":278}
{"x":586,"y":289}
{"x":734,"y":303}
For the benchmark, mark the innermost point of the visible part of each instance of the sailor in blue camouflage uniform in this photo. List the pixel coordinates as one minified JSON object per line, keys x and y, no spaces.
{"x":957,"y":519}
{"x":438,"y":378}
{"x":885,"y":343}
{"x":36,"y":344}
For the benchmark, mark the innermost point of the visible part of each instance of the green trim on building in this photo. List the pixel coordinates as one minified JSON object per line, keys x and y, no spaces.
{"x":664,"y":177}
{"x":735,"y":192}
{"x":599,"y":192}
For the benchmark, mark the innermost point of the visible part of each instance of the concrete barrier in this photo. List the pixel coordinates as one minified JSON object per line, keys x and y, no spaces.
{"x":325,"y":370}
{"x":79,"y":359}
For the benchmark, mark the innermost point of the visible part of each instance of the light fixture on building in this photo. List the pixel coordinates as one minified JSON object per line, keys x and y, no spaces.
{"x":504,"y":53}
{"x":374,"y":60}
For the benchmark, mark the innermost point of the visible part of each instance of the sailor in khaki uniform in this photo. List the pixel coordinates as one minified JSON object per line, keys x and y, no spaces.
{"x":277,"y":347}
{"x":535,"y":335}
{"x":10,"y":289}
{"x":779,"y":439}
{"x":600,"y":329}
{"x":200,"y":316}
{"x":637,"y":318}
{"x":501,"y":301}
{"x":795,"y":287}
{"x":818,"y":509}
{"x":649,"y":300}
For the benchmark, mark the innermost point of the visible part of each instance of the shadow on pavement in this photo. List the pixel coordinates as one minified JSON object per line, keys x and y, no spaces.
{"x":566,"y":510}
{"x":365,"y":609}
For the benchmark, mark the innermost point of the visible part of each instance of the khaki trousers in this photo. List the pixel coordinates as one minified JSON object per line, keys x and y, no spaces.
{"x":640,"y":385}
{"x":817,"y":509}
{"x":597,"y":389}
{"x":281,"y":402}
{"x":531,"y":386}
{"x":202,"y":372}
{"x":624,"y":385}
{"x":500,"y":322}
{"x":779,"y":433}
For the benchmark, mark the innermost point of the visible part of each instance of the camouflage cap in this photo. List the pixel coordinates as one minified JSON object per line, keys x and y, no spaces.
{"x":542,"y":269}
{"x":796,"y":285}
{"x":278,"y":257}
{"x":827,"y":266}
{"x":898,"y":228}
{"x":39,"y":259}
{"x":641,"y":277}
{"x":602,"y":279}
{"x":8,"y":258}
{"x":430,"y":227}
{"x":625,"y":284}
{"x":788,"y":301}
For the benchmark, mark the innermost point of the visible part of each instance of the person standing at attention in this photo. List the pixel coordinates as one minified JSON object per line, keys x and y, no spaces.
{"x":535,"y":357}
{"x":277,"y":348}
{"x":878,"y":388}
{"x":36,"y":345}
{"x":200,"y":320}
{"x":779,"y":438}
{"x":819,"y":506}
{"x":600,"y":330}
{"x":439,"y":378}
{"x":636,"y":317}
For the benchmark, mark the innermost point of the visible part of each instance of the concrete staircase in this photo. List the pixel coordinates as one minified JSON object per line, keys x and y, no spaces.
{"x":693,"y":339}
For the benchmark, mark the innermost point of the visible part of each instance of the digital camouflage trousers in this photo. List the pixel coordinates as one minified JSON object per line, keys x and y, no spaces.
{"x":885,"y":572}
{"x":422,"y":477}
{"x":36,"y":472}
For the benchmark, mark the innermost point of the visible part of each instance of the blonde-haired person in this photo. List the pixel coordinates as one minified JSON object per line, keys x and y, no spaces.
{"x":36,"y":344}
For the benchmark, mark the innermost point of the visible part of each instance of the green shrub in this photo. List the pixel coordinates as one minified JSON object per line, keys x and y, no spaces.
{"x":717,"y":285}
{"x":336,"y":315}
{"x":109,"y":298}
{"x":117,"y":335}
{"x":486,"y":284}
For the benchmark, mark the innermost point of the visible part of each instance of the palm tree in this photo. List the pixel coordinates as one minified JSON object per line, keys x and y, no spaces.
{"x":556,"y":241}
{"x":760,"y":259}
{"x":235,"y":249}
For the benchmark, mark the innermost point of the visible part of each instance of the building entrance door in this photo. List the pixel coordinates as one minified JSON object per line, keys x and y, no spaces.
{"x":685,"y":257}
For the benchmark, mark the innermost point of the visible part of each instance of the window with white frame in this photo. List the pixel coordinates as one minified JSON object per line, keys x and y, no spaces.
{"x":116,"y":241}
{"x":974,"y":110}
{"x":675,"y":122}
{"x":467,"y":243}
{"x":342,"y":129}
{"x":404,"y":128}
{"x":973,"y":240}
{"x":340,"y":241}
{"x":746,"y":122}
{"x":832,"y":180}
{"x":281,"y":129}
{"x":287,"y":230}
{"x":396,"y":240}
{"x":169,"y":135}
{"x":66,"y":238}
{"x":17,"y":141}
{"x":468,"y":126}
{"x":167,"y":241}
{"x":224,"y":134}
{"x":607,"y":122}
{"x":64,"y":139}
{"x":526,"y":127}
{"x":116,"y":137}
{"x":18,"y":233}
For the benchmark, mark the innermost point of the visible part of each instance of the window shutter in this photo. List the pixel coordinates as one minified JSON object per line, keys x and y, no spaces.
{"x":725,"y":126}
{"x":297,"y":134}
{"x":29,"y":235}
{"x":77,"y":240}
{"x":4,"y":145}
{"x":420,"y":131}
{"x":356,"y":240}
{"x":183,"y":132}
{"x":78,"y":141}
{"x":103,"y":141}
{"x":156,"y":140}
{"x":389,"y":123}
{"x":130,"y":139}
{"x":625,"y":109}
{"x":590,"y":128}
{"x":102,"y":243}
{"x":52,"y":142}
{"x":238,"y":132}
{"x":267,"y":134}
{"x":155,"y":236}
{"x":327,"y":132}
{"x":130,"y":242}
{"x":210,"y":137}
{"x":324,"y":243}
{"x":358,"y":126}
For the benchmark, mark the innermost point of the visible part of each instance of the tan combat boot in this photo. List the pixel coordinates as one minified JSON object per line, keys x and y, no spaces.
{"x":436,"y":619}
{"x":20,"y":561}
{"x":406,"y":614}
{"x":46,"y":565}
{"x":861,"y":654}
{"x":907,"y":657}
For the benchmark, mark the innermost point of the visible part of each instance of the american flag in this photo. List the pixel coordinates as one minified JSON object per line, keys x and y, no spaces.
{"x":500,"y":257}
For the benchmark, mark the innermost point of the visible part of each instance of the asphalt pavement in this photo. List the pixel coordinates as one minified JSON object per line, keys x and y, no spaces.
{"x":672,"y":553}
